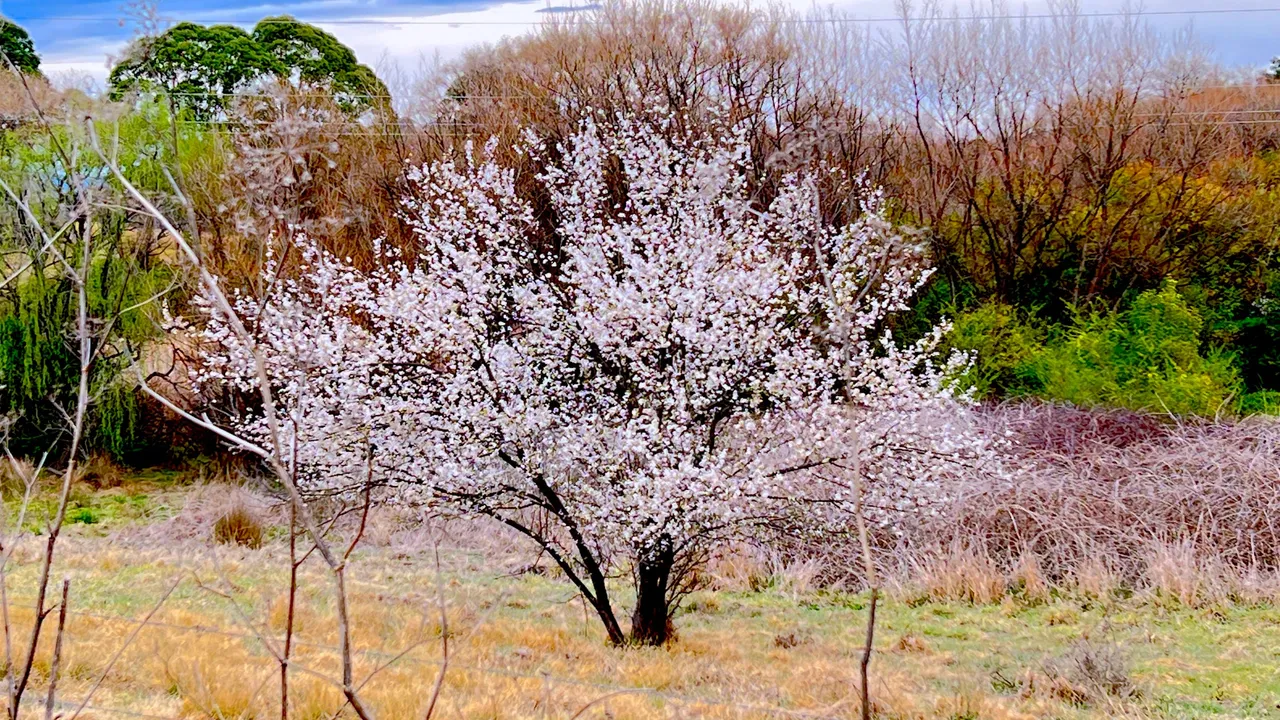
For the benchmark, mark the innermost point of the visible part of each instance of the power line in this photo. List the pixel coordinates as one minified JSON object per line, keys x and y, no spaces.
{"x":470,"y":132}
{"x":322,"y":125}
{"x":1232,"y":123}
{"x":1207,"y":117}
{"x":464,"y":97}
{"x":552,"y":94}
{"x":337,"y":95}
{"x":335,"y":21}
{"x":554,"y":19}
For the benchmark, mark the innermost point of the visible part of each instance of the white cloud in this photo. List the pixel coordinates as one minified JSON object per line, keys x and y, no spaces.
{"x":92,"y":62}
{"x":380,"y":38}
{"x":448,"y":35}
{"x":405,"y":40}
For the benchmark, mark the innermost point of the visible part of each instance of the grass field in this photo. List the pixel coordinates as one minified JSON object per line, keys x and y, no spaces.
{"x":521,"y":645}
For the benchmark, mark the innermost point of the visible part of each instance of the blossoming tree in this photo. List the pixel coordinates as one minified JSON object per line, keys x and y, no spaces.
{"x":639,"y":367}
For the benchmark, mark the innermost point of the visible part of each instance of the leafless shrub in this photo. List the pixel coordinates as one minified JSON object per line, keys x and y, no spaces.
{"x":22,"y":99}
{"x":1090,"y":502}
{"x":1120,"y":490}
{"x":1090,"y":672}
{"x":1062,"y":430}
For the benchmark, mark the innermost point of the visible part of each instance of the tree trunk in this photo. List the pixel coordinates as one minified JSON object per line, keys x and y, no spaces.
{"x":651,"y":621}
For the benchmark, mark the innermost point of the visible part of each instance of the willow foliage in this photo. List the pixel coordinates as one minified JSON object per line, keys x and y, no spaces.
{"x":39,"y":358}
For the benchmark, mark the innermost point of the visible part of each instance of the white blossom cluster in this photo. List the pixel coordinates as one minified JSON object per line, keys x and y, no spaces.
{"x":665,"y":366}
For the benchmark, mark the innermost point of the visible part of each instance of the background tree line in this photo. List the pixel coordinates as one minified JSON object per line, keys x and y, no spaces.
{"x":1097,"y":196}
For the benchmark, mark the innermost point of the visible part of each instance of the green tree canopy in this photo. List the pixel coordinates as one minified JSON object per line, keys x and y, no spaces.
{"x":198,"y":65}
{"x":312,"y":56}
{"x":17,"y":48}
{"x":202,"y":66}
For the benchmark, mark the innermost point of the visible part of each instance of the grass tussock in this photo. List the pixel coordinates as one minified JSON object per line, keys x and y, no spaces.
{"x":238,"y":526}
{"x":101,"y":472}
{"x":962,"y":575}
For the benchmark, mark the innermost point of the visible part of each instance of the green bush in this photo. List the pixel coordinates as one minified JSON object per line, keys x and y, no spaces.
{"x":1245,"y":318}
{"x":82,"y":516}
{"x":1004,"y":349}
{"x":1147,"y":357}
{"x":1261,"y":402}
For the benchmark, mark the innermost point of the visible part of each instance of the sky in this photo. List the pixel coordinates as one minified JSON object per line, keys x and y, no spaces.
{"x":81,"y":36}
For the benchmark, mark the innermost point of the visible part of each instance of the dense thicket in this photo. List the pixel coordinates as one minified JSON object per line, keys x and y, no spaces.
{"x":44,"y":185}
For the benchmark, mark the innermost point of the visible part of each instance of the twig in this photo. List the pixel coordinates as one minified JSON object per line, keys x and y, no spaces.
{"x":289,"y":615}
{"x":57,"y":651}
{"x":223,"y":305}
{"x":120,"y":650}
{"x":444,"y":631}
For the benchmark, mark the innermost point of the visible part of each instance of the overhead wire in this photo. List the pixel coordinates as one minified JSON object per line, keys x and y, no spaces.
{"x":571,"y":18}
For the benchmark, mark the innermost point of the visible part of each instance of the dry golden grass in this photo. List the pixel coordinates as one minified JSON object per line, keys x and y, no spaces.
{"x":239,"y":526}
{"x":969,"y":641}
{"x":960,"y":575}
{"x":1094,"y":578}
{"x":198,"y":660}
{"x":1029,"y":580}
